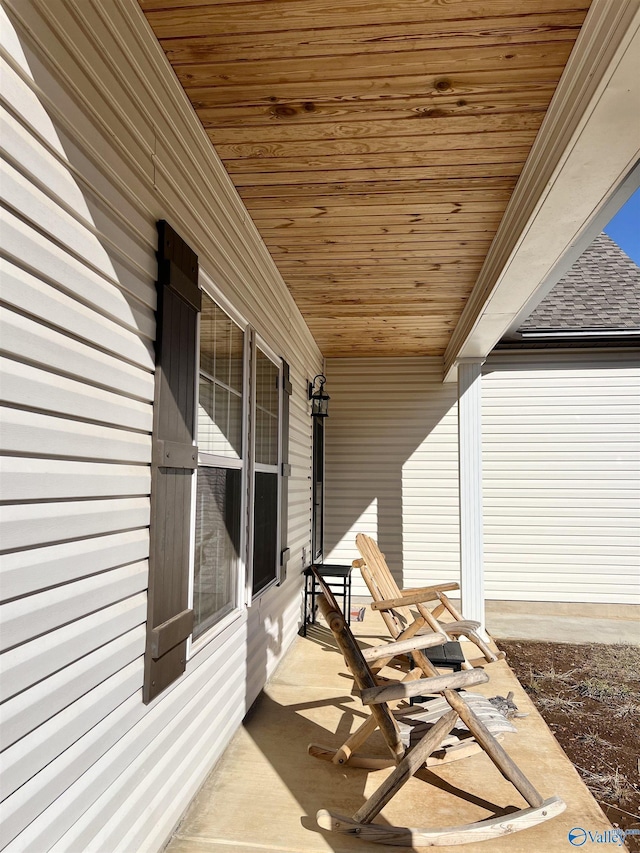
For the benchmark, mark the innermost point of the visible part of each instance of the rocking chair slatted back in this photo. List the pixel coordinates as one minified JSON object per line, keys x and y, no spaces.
{"x":382,"y":584}
{"x":401,"y":620}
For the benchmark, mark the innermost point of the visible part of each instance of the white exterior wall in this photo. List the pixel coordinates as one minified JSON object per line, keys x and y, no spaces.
{"x":561,"y":435}
{"x":561,"y":487}
{"x":392,"y":466}
{"x":100,"y":142}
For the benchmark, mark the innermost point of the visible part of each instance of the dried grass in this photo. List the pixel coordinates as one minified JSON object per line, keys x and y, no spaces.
{"x":628,"y":709}
{"x":612,"y":787}
{"x":557,"y":703}
{"x":535,"y":679}
{"x":593,"y":739}
{"x":603,"y":689}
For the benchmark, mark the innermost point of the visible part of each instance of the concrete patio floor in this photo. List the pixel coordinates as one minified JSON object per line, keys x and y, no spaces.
{"x":264,"y":793}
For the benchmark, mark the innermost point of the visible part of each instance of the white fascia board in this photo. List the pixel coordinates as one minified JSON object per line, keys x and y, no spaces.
{"x":587,"y":146}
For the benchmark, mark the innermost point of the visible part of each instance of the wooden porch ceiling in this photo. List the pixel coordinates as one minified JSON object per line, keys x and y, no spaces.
{"x":375,"y":143}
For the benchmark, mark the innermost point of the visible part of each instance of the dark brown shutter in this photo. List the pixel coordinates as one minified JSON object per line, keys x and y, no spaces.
{"x":286,"y":473}
{"x":169,"y":620}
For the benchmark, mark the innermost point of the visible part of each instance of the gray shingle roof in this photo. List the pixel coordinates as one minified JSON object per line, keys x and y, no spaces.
{"x":601,"y":292}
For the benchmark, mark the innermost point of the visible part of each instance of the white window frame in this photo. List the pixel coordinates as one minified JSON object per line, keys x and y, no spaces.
{"x":260,"y":344}
{"x":213,"y":460}
{"x":244,"y":581}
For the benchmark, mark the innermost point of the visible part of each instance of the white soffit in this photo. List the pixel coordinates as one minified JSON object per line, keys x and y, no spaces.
{"x":588,"y":144}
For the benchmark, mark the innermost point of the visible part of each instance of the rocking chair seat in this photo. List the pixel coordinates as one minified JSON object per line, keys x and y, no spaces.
{"x":415,"y":721}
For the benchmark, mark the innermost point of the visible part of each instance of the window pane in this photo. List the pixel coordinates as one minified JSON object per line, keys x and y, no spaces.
{"x":267,"y":377}
{"x":222,"y":359}
{"x":265,"y":530}
{"x":221,"y":345}
{"x":206,"y":416}
{"x":236,"y":358}
{"x":235,"y":424}
{"x":219,"y":420}
{"x":217,"y":545}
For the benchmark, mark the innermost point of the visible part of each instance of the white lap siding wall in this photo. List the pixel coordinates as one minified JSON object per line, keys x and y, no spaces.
{"x":561,"y":477}
{"x":392,"y":466}
{"x":99,"y":143}
{"x":561,"y":484}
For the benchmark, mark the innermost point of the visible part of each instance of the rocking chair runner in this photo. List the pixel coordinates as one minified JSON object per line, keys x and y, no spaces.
{"x":394,"y":603}
{"x":410,"y":760}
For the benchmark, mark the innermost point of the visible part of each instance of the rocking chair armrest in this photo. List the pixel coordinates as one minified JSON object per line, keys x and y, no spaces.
{"x":403,"y":647}
{"x":406,"y":689}
{"x":440,"y":587}
{"x":358,"y":564}
{"x":427,"y":593}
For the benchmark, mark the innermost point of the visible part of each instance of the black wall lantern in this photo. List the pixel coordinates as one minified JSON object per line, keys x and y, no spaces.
{"x":319,"y":399}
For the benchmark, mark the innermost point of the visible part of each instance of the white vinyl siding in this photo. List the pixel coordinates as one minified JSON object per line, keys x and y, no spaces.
{"x":100,"y":142}
{"x":561,"y":478}
{"x":392,"y":466}
{"x":561,"y":463}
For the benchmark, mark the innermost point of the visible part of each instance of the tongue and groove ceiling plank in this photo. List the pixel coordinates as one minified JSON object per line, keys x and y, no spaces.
{"x":376,"y":145}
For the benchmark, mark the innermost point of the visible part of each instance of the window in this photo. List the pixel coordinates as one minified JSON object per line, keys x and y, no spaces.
{"x":266,"y":473}
{"x":239,"y":487}
{"x":219,"y":490}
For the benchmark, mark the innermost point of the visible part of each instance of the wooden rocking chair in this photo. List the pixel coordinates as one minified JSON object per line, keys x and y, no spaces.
{"x":413,"y":721}
{"x":409,"y":760}
{"x":394,"y":604}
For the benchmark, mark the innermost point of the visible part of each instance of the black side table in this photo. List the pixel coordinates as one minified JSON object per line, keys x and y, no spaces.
{"x":447,"y":655}
{"x":337,"y":578}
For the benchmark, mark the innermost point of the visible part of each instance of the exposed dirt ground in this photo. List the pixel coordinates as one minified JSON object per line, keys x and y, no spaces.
{"x":589,"y":696}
